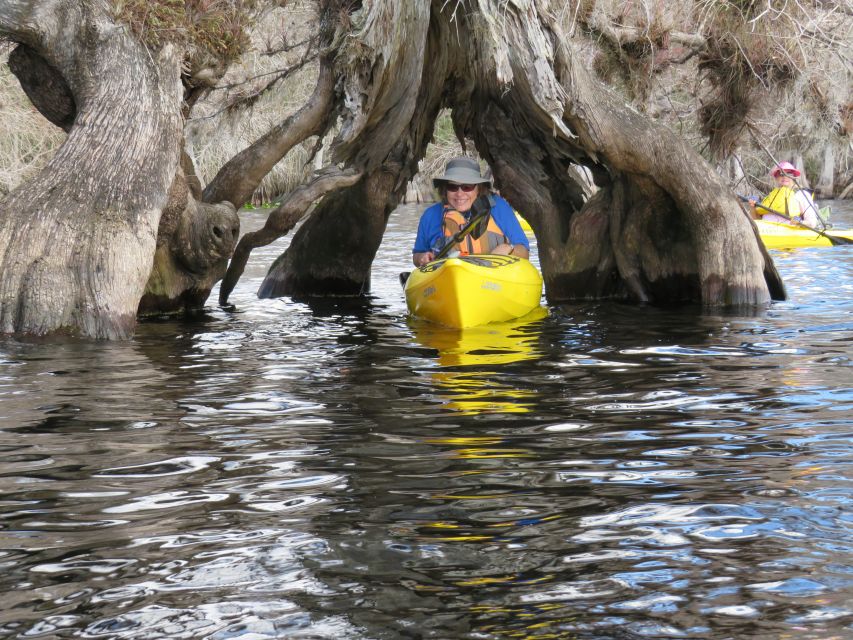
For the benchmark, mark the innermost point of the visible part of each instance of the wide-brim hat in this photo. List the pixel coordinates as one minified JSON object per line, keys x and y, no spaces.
{"x":461,"y":171}
{"x":785,"y":167}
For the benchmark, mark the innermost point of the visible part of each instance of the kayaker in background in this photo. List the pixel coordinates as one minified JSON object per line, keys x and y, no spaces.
{"x":787,"y":198}
{"x":459,"y":186}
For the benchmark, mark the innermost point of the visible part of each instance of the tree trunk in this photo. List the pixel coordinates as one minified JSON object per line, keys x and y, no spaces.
{"x":194,"y":242}
{"x":825,"y":185}
{"x":77,"y":241}
{"x":345,"y":229}
{"x":666,"y":228}
{"x":280,"y":222}
{"x":392,"y":75}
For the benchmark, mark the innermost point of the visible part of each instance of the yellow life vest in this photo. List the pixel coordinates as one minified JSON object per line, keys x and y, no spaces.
{"x":484,"y":242}
{"x":784,"y":200}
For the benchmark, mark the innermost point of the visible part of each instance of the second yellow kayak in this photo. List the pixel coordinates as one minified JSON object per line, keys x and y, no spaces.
{"x":777,"y":235}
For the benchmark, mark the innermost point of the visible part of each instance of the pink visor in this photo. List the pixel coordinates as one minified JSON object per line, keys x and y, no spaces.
{"x":785,"y":167}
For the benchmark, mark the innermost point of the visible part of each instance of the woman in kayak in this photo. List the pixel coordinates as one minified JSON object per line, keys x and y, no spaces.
{"x":787,"y":198}
{"x":460,"y":186}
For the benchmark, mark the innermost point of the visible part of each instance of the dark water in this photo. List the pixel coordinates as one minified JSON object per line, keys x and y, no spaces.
{"x":288,"y":470}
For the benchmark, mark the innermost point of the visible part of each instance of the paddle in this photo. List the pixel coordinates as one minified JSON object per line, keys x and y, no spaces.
{"x":482,"y":207}
{"x":834,"y":240}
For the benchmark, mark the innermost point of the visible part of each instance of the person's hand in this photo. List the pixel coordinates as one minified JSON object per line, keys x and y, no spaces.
{"x":752,"y":210}
{"x":502,"y":249}
{"x":423,"y":258}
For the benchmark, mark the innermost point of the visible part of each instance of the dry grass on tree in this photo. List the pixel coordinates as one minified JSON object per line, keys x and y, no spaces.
{"x":27,"y":140}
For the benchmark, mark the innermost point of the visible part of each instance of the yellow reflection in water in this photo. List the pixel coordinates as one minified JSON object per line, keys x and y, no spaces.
{"x":488,"y":344}
{"x":466,"y":440}
{"x":510,"y":579}
{"x":467,"y":356}
{"x":797,"y":376}
{"x":526,"y":623}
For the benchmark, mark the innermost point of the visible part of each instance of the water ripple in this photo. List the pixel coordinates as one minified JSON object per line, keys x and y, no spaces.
{"x":173,"y":466}
{"x":167,"y":500}
{"x":331,"y":469}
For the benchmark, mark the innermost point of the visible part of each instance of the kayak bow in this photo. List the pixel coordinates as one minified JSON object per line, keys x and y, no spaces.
{"x":467,"y":291}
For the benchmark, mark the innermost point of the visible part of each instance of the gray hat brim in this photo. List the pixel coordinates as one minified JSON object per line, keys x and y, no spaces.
{"x":460,"y":175}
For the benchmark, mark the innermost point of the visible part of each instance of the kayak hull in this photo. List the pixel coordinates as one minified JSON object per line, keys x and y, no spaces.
{"x":777,"y":235}
{"x":472,"y":290}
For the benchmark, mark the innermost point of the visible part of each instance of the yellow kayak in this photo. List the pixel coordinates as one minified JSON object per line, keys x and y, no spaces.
{"x":777,"y":235}
{"x":472,"y":290}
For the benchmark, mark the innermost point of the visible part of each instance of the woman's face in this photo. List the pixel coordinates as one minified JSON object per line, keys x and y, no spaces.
{"x":784,"y":180}
{"x":459,"y":198}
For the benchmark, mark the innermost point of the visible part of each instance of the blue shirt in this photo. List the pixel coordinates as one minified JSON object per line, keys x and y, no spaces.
{"x":431,"y":236}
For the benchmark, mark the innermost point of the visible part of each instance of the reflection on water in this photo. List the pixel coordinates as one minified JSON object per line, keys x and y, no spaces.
{"x":462,"y":383}
{"x":331,"y":469}
{"x":492,"y":344}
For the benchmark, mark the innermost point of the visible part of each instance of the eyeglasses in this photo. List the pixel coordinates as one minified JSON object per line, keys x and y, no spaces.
{"x":467,"y":188}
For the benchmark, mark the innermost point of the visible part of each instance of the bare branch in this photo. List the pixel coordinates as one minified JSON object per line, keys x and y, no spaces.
{"x":238,"y":179}
{"x":283,"y":219}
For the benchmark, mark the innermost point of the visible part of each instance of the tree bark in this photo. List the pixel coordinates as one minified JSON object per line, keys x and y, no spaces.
{"x":77,"y":241}
{"x":392,"y":70}
{"x":194,"y":241}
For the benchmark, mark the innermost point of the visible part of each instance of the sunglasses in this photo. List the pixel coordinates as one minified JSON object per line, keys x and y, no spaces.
{"x":467,"y":188}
